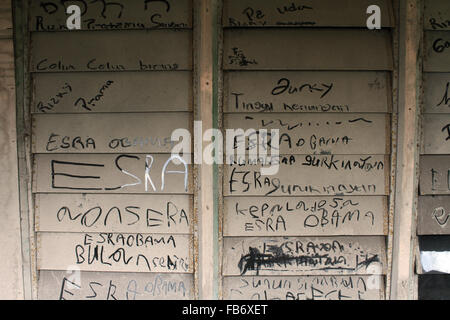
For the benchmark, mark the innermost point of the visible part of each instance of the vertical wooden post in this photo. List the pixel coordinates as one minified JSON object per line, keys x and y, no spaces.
{"x":207,"y":248}
{"x":10,"y":236}
{"x":402,"y":281}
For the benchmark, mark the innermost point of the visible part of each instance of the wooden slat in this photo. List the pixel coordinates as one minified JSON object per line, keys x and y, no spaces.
{"x":315,"y":91}
{"x":436,"y":93}
{"x":305,"y":216}
{"x":113,"y":15}
{"x":436,"y":133}
{"x":434,"y":174}
{"x":304,"y":288}
{"x":300,"y":256}
{"x":308,"y":13}
{"x":112,"y":92}
{"x":107,"y":133}
{"x":76,"y":285}
{"x":6,"y":59}
{"x":115,"y":252}
{"x":6,"y":26}
{"x":437,"y":51}
{"x":133,"y":50}
{"x":306,"y":49}
{"x":437,"y":15}
{"x":316,"y":132}
{"x":110,"y":173}
{"x":109,"y":213}
{"x":433,"y":215}
{"x":311,"y":175}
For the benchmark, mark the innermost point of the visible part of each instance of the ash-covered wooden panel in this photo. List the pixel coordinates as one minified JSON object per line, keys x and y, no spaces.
{"x":305,"y":216}
{"x":318,"y":91}
{"x":437,"y":15}
{"x":314,"y":175}
{"x":308,"y":13}
{"x":6,"y":26}
{"x":304,"y":288}
{"x":304,"y":255}
{"x":132,"y":50}
{"x":85,"y":285}
{"x":319,"y":133}
{"x":112,"y":92}
{"x":111,"y":173}
{"x":434,"y":175}
{"x":51,"y":15}
{"x":436,"y":92}
{"x":109,"y":213}
{"x":307,"y":49}
{"x":436,"y":133}
{"x":6,"y":58}
{"x":437,"y":51}
{"x":433,"y":215}
{"x":137,"y":252}
{"x":107,"y":133}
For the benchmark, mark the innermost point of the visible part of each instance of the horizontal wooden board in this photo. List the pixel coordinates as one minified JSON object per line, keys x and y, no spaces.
{"x":109,"y":213}
{"x":110,"y":173}
{"x":112,"y":92}
{"x":437,"y":51}
{"x":113,"y":15}
{"x":6,"y":21}
{"x":436,"y":133}
{"x":433,"y":215}
{"x":436,"y":92}
{"x":317,"y":133}
{"x":304,"y":288}
{"x":308,"y":91}
{"x":308,"y":13}
{"x":305,"y":216}
{"x":133,"y":50}
{"x":437,"y":15}
{"x":434,"y":174}
{"x":115,"y":252}
{"x":309,"y":175}
{"x":307,"y":49}
{"x":107,"y":133}
{"x":6,"y":58}
{"x":84,"y":285}
{"x":301,"y":255}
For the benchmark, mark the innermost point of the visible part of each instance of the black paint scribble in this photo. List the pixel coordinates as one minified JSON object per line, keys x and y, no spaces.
{"x":367,"y":261}
{"x":163,"y":1}
{"x":255,"y":261}
{"x":445,"y":99}
{"x":360,"y":119}
{"x":447,"y":129}
{"x":239,"y":58}
{"x":49,"y":7}
{"x":110,"y":4}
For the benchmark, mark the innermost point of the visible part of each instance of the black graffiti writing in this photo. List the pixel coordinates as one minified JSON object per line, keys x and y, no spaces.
{"x":129,"y":215}
{"x":440,"y":45}
{"x":284,"y":86}
{"x":89,"y":103}
{"x":445,"y":99}
{"x":55,"y":100}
